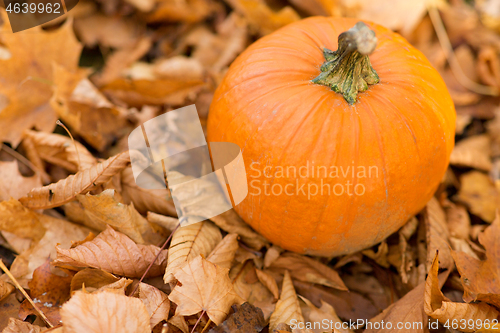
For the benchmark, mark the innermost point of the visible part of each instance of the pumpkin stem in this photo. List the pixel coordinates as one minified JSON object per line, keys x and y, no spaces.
{"x":348,"y":70}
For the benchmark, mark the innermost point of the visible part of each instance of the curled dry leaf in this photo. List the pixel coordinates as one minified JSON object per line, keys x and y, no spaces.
{"x":156,"y":303}
{"x":5,"y":289}
{"x":188,"y":243}
{"x":223,"y":254}
{"x":479,"y":193}
{"x":60,"y":150}
{"x":480,"y":278}
{"x":92,"y":279}
{"x":66,"y":190}
{"x":473,"y":152}
{"x":19,"y":326}
{"x":458,"y":221}
{"x":272,"y":254}
{"x":287,"y":308}
{"x":326,"y":313}
{"x":21,"y":221}
{"x":268,"y":281}
{"x":114,"y":253}
{"x":179,"y":322}
{"x":146,"y":200}
{"x":24,"y":98}
{"x":380,"y":257}
{"x":309,"y":270}
{"x":103,"y":209}
{"x":167,"y":222}
{"x":441,"y":308}
{"x":49,"y":291}
{"x":104,"y":313}
{"x":203,"y":287}
{"x":437,"y":234}
{"x":13,"y":184}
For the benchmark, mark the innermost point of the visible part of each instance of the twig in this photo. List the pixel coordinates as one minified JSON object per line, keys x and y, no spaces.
{"x":207,"y":325}
{"x":58,"y":122}
{"x":20,"y":158}
{"x":452,"y":59}
{"x":21,"y":289}
{"x":154,"y":260}
{"x":202,"y":313}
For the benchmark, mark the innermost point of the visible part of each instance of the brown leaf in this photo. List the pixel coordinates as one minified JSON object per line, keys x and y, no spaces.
{"x":473,"y":152}
{"x":458,"y":221}
{"x":310,"y":270}
{"x":146,"y":200}
{"x":437,"y":234}
{"x":19,"y":326}
{"x":441,"y":308}
{"x":104,"y":313}
{"x":10,"y":308}
{"x":49,"y":291}
{"x":92,"y":279}
{"x":261,"y":17}
{"x":156,"y":303}
{"x":223,"y":254}
{"x":268,"y":281}
{"x":188,"y":243}
{"x":203,"y":287}
{"x":115,"y":253}
{"x":60,"y":150}
{"x":287,"y":309}
{"x":167,"y":222}
{"x":21,"y":221}
{"x":318,"y":7}
{"x":246,"y":319}
{"x":103,"y":209}
{"x":24,"y":97}
{"x":66,"y":190}
{"x":86,"y":110}
{"x":478,"y":191}
{"x":183,"y":11}
{"x":326,"y":313}
{"x":13,"y":184}
{"x":480,"y":277}
{"x":5,"y":289}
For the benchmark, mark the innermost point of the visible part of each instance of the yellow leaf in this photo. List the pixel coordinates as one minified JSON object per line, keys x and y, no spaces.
{"x":224,"y":252}
{"x":156,"y":303}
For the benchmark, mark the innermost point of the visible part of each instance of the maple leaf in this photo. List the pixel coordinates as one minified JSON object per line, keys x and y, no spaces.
{"x":189,"y":242}
{"x":480,"y":277}
{"x":23,"y":92}
{"x":104,"y":312}
{"x":204,"y":287}
{"x":49,"y":291}
{"x":114,"y":253}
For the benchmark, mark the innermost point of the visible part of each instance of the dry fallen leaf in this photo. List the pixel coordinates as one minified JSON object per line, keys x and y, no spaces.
{"x":21,"y":221}
{"x":13,"y":184}
{"x":49,"y":291}
{"x":309,"y":270}
{"x":480,"y":277}
{"x":156,"y":303}
{"x":441,"y":308}
{"x":326,"y":313}
{"x":114,"y":253}
{"x":188,"y":243}
{"x":268,"y":281}
{"x":19,"y":326}
{"x":437,"y":234}
{"x":477,"y":191}
{"x":103,"y":209}
{"x":203,"y":286}
{"x":67,"y":189}
{"x":24,"y":92}
{"x":473,"y":152}
{"x":5,"y":289}
{"x":458,"y":221}
{"x":223,"y":254}
{"x":287,"y":308}
{"x":92,"y":279}
{"x":104,"y":313}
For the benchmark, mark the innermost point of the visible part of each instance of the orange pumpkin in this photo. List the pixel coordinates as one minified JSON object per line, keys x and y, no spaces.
{"x":297,"y":110}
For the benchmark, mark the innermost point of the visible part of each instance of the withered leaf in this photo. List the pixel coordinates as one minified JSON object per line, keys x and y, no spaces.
{"x":223,"y":254}
{"x":246,"y":319}
{"x":19,"y":220}
{"x":480,"y":277}
{"x":477,"y":191}
{"x":473,"y":152}
{"x":268,"y":281}
{"x":5,"y":289}
{"x":13,"y":184}
{"x":104,"y":313}
{"x":287,"y":308}
{"x":114,"y":253}
{"x":66,"y":190}
{"x":49,"y":291}
{"x":188,"y":243}
{"x":19,"y":326}
{"x":32,"y":54}
{"x":203,"y":287}
{"x":437,"y":234}
{"x":441,"y":308}
{"x":156,"y":302}
{"x":92,"y":279}
{"x":307,"y":269}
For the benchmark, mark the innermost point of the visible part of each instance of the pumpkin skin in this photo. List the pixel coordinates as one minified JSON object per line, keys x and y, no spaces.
{"x":404,"y":126}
